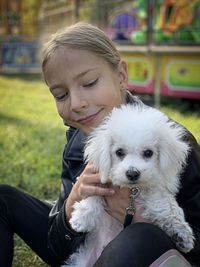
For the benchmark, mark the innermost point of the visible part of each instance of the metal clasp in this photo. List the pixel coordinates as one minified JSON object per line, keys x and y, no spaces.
{"x":130,"y":210}
{"x":135,"y":191}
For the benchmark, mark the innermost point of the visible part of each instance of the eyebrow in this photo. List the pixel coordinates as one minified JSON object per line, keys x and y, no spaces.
{"x":76,"y":77}
{"x":85,"y":72}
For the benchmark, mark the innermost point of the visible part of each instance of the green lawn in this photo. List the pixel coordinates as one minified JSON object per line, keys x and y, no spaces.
{"x":32,"y":137}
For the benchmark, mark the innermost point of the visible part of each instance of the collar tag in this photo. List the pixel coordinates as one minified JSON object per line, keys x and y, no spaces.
{"x":130,"y":210}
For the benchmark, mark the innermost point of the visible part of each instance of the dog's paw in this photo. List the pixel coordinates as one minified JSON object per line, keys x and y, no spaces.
{"x":82,"y":220}
{"x":184,"y":238}
{"x":78,"y":225}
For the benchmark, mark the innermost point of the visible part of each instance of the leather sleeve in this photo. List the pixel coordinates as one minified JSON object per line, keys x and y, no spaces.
{"x":189,"y":196}
{"x":62,"y":239}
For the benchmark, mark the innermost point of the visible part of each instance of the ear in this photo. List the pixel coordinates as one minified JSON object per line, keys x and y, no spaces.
{"x":97,"y":151}
{"x":173,"y":150}
{"x":123,"y":74}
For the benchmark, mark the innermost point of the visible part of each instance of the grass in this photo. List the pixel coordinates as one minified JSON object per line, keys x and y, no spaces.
{"x":32,"y":137}
{"x":186,"y":112}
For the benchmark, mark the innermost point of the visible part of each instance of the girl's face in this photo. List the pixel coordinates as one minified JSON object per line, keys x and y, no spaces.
{"x":85,"y":86}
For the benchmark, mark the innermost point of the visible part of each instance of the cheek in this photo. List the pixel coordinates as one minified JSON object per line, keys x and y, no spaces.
{"x":118,"y":174}
{"x":118,"y":167}
{"x":62,"y":110}
{"x":110,"y":98}
{"x":108,"y":93}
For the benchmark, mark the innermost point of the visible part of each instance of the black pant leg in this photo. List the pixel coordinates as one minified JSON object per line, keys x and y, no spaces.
{"x":26,"y":216}
{"x":138,"y":245}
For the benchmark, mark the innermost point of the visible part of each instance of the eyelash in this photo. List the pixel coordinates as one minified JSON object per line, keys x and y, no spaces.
{"x":61,"y":98}
{"x":90,"y":84}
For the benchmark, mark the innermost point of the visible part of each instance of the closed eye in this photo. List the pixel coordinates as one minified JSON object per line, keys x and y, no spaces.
{"x":90,"y":84}
{"x":61,"y":97}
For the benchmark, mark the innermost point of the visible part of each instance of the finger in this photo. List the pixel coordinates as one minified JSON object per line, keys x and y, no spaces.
{"x":102,"y":191}
{"x":91,"y":179}
{"x":102,"y":185}
{"x":88,"y":190}
{"x":90,"y":167}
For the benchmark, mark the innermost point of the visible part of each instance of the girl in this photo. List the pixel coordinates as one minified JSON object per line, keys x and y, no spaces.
{"x":87,"y":78}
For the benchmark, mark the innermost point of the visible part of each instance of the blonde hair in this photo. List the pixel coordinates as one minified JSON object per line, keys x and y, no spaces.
{"x":83,"y":36}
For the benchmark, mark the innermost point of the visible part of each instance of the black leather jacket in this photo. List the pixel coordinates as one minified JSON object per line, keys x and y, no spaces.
{"x":63,"y":240}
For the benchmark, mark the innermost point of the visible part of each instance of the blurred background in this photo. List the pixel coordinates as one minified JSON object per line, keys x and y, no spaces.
{"x":159,"y":39}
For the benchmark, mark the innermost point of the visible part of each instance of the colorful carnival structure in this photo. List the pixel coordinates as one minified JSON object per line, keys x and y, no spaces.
{"x":160,"y":39}
{"x":18,"y":43}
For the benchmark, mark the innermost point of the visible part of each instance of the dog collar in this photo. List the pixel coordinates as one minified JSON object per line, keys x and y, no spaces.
{"x":130,"y":210}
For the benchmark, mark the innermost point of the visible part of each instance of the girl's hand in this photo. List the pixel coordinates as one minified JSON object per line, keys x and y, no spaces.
{"x":117,"y":204}
{"x":85,"y":186}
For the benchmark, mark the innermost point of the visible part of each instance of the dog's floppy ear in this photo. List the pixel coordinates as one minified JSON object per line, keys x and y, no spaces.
{"x":97,"y":151}
{"x":173,"y":149}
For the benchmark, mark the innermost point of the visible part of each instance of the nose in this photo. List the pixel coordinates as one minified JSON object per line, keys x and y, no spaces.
{"x":133,"y":174}
{"x":78,"y":101}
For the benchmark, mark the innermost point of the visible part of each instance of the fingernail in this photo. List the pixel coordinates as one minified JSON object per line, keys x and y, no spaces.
{"x":112,"y":191}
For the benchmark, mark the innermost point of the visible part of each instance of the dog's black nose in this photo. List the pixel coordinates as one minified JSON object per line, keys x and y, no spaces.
{"x":133,"y":174}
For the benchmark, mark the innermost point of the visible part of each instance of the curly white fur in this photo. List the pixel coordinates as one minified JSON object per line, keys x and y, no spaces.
{"x":135,"y":146}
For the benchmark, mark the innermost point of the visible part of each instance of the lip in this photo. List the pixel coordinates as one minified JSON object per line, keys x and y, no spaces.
{"x":89,"y":119}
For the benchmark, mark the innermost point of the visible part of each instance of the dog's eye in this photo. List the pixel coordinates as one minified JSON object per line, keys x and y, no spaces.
{"x":120,"y":153}
{"x":148,"y":153}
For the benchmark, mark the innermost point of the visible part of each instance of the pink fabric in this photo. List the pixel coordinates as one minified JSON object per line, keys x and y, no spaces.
{"x":100,"y":243}
{"x":169,"y":256}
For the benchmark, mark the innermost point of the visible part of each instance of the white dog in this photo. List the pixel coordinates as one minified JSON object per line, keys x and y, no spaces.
{"x":136,"y":146}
